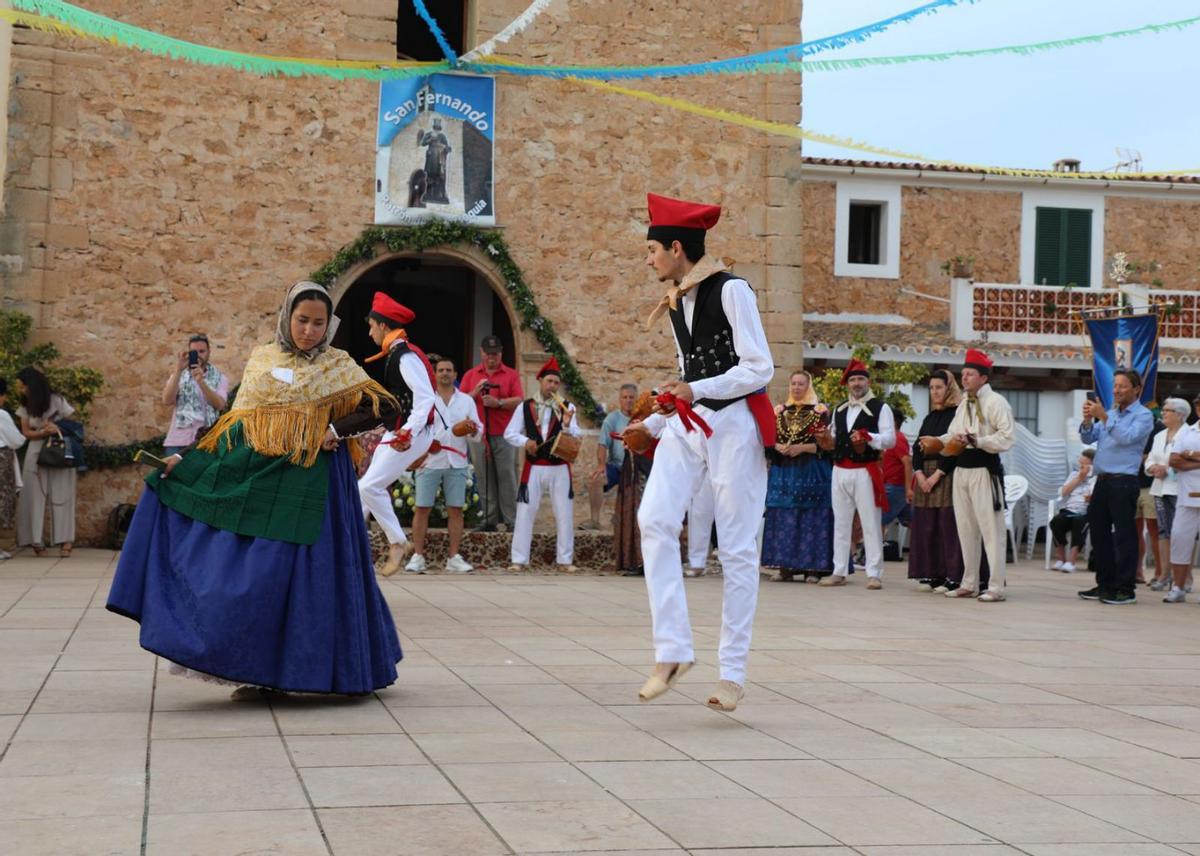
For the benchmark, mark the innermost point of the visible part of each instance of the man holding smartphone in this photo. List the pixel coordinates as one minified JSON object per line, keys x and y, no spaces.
{"x":1120,"y":434}
{"x":198,"y":392}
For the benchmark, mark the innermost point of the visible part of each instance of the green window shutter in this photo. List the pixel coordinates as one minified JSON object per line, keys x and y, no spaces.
{"x":1063,"y":247}
{"x":1047,"y":253}
{"x":1078,"y":242}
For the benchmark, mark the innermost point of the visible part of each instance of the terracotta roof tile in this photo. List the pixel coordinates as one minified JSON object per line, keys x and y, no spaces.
{"x":935,"y":340}
{"x":965,"y":170}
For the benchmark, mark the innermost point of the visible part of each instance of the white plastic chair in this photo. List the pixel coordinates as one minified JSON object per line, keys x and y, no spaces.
{"x":1015,"y":488}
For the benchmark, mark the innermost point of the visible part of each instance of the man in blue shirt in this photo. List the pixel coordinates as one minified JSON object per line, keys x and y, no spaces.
{"x":1120,"y":436}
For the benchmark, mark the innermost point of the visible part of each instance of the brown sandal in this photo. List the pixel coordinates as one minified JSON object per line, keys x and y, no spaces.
{"x":38,"y":550}
{"x":65,"y":550}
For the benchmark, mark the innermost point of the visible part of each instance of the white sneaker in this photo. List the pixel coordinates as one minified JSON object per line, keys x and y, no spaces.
{"x":456,"y":564}
{"x":1175,"y":595}
{"x":5,"y":555}
{"x":1067,"y":568}
{"x":416,"y":565}
{"x":1058,"y":566}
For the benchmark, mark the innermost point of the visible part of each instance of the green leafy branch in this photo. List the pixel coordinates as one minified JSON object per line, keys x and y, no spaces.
{"x":831,"y":393}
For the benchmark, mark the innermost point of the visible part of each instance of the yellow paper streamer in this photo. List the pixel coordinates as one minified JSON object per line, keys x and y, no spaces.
{"x":796,"y":132}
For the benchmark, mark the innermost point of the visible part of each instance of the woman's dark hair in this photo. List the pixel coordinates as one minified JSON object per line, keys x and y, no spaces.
{"x":314,"y":295}
{"x":898,"y":418}
{"x":37,"y":391}
{"x":3,"y":386}
{"x":940,"y":374}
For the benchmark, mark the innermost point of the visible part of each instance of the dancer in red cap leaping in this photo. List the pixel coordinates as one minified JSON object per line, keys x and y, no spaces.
{"x":725,"y":365}
{"x":408,"y":376}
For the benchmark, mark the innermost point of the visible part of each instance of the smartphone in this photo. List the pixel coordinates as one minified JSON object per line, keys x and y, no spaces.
{"x":193,"y":359}
{"x":1091,"y":396}
{"x":141,"y":456}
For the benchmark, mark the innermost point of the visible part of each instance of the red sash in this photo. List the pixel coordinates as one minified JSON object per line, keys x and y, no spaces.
{"x":875,"y":471}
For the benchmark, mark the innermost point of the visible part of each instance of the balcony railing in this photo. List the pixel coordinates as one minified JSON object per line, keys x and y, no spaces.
{"x":1050,"y":315}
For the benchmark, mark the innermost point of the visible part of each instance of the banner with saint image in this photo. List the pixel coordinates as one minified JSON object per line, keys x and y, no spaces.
{"x":1126,"y":342}
{"x":434,"y":150}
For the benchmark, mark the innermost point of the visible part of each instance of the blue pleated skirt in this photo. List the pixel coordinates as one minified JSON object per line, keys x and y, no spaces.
{"x":298,"y":618}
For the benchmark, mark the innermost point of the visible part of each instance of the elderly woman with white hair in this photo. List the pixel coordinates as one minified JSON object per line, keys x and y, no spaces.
{"x":1175,"y":412}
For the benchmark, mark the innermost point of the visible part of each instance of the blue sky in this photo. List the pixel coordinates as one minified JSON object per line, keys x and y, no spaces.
{"x":1025,"y":111}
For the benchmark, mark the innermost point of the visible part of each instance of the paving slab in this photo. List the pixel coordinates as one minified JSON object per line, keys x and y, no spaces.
{"x":886,"y":723}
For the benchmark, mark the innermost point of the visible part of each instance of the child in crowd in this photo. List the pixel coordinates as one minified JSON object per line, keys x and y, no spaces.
{"x":1072,"y":514}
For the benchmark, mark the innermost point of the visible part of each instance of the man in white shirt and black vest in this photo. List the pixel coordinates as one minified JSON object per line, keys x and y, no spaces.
{"x":725,"y":365}
{"x":535,"y":426}
{"x":863,"y":428}
{"x":409,"y":377}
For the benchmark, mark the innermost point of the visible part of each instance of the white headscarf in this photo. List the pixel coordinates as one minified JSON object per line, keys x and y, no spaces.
{"x":283,"y":333}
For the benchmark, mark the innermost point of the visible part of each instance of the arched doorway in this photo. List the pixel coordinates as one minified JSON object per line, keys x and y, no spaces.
{"x":454,"y":303}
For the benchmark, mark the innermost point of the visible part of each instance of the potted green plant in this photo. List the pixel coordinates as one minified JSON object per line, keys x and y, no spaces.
{"x":959,"y":267}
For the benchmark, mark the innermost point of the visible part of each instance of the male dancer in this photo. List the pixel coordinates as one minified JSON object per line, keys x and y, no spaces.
{"x":863,"y":427}
{"x":534,"y":426}
{"x":409,"y":377}
{"x":983,"y":424}
{"x":726,"y":364}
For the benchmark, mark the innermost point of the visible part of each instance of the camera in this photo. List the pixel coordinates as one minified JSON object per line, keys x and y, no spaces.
{"x":193,"y":359}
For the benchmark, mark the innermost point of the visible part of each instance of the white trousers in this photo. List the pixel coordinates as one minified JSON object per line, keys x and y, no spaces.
{"x":700,"y":523}
{"x":979,"y":524}
{"x":1184,"y":529}
{"x":732,"y":463}
{"x":557,"y":481}
{"x":853,"y":491}
{"x":387,"y":465}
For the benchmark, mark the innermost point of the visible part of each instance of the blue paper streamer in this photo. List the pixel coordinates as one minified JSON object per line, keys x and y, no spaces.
{"x":721,"y":66}
{"x":447,"y":51}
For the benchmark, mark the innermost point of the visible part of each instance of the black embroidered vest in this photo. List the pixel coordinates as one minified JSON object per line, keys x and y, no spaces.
{"x":708,"y":347}
{"x":534,"y":432}
{"x":868,"y":420}
{"x":393,"y":380}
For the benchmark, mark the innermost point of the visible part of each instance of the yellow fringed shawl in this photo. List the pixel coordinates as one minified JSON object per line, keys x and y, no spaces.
{"x":286,"y":402}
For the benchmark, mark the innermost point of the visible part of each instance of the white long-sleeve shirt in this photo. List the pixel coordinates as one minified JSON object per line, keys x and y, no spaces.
{"x":755,"y":368}
{"x":414,"y":374}
{"x":994,"y":432}
{"x":884,"y":439}
{"x":448,"y":414}
{"x":11,"y":438}
{"x":515,"y":432}
{"x":1160,"y":455}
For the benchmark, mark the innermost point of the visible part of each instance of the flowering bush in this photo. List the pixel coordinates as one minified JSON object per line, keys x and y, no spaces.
{"x":404,"y":498}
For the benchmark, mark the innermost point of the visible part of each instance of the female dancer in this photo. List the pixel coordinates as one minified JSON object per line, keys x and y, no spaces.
{"x":934,"y":557}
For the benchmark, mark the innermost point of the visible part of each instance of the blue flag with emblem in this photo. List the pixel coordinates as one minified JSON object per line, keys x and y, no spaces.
{"x":1127,"y":342}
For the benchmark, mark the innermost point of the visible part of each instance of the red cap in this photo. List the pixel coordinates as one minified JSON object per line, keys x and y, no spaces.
{"x":856,"y":367}
{"x":551,"y":367}
{"x":679,"y":220}
{"x":978,"y":360}
{"x":384,"y":309}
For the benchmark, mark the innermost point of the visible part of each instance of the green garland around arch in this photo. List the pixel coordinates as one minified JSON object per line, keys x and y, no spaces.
{"x":440,"y":233}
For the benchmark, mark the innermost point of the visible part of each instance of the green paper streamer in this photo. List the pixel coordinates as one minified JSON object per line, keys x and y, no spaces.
{"x":157,"y":44}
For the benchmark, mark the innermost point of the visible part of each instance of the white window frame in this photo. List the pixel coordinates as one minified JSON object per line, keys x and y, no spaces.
{"x":882,"y":193}
{"x":1032,"y":200}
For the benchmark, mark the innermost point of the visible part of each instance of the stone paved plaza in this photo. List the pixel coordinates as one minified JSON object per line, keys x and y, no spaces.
{"x":885,"y":723}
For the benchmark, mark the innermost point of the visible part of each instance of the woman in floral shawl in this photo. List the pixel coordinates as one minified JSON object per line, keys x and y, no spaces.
{"x":247,"y":560}
{"x":798,"y":530}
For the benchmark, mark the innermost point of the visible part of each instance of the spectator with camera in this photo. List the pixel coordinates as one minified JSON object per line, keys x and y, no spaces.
{"x":497,"y":391}
{"x":197,"y":390}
